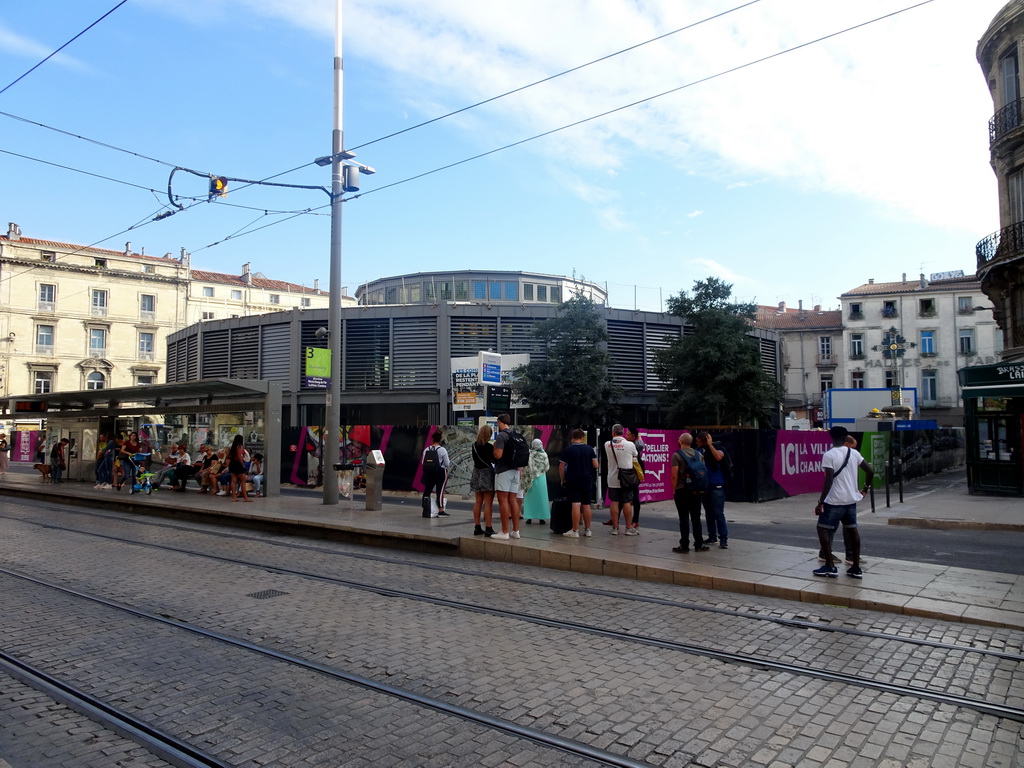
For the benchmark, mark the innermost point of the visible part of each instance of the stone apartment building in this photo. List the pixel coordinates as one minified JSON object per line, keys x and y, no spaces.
{"x":77,"y":317}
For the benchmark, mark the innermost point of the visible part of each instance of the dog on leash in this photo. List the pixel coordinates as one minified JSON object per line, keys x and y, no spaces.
{"x":44,"y":472}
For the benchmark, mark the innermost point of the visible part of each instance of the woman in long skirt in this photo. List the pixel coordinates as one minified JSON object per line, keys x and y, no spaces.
{"x":535,"y":494}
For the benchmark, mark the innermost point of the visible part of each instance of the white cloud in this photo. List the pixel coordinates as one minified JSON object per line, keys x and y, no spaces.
{"x":32,"y":51}
{"x":694,"y":214}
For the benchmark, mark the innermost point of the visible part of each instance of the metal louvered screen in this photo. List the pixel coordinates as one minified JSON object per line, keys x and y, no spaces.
{"x":770,"y":358}
{"x":658,"y":337}
{"x":367,"y":354}
{"x":215,"y":354}
{"x":307,"y":335}
{"x":517,"y":338}
{"x":191,"y":359}
{"x":245,"y":353}
{"x":415,"y":357}
{"x":275,"y":355}
{"x":473,"y":334}
{"x":626,"y":347}
{"x":171,"y":371}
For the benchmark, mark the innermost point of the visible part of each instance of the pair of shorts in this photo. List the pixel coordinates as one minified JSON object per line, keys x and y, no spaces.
{"x":482,"y":480}
{"x":621,"y":495}
{"x":507,"y":481}
{"x":579,"y":495}
{"x":834,"y":514}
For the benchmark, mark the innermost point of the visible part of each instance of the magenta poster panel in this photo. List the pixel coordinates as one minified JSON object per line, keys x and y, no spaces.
{"x":23,"y":445}
{"x":797,"y":466}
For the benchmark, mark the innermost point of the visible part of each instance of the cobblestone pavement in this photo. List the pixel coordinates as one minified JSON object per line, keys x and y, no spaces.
{"x":658,"y":706}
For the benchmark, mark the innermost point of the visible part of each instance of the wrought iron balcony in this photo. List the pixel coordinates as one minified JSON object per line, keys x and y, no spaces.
{"x":1005,"y":244}
{"x":1005,"y":120}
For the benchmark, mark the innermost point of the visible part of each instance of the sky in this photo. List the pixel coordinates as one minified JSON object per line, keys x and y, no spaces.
{"x":864,"y":156}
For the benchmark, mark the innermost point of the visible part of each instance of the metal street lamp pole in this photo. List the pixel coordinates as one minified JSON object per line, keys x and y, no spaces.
{"x":332,"y":433}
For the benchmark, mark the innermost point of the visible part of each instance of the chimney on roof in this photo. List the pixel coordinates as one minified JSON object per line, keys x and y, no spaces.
{"x":13,"y":232}
{"x":817,"y":307}
{"x":904,"y":277}
{"x":186,"y":259}
{"x":782,"y":306}
{"x":922,"y":282}
{"x":316,"y":283}
{"x":800,"y":304}
{"x":246,"y":274}
{"x":871,"y":281}
{"x":128,"y":248}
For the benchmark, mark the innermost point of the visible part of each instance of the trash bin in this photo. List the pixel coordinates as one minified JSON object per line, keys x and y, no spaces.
{"x":374,"y":480}
{"x":344,"y":471}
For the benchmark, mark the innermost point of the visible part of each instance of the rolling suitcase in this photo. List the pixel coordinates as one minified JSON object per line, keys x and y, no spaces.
{"x":561,"y":516}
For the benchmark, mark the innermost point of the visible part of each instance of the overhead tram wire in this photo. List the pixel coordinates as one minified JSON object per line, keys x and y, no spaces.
{"x":69,"y":42}
{"x":603,"y":114}
{"x":643,"y":101}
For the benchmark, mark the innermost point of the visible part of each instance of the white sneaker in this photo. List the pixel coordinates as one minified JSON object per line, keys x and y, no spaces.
{"x":587,"y":533}
{"x":515,"y":535}
{"x":501,"y":536}
{"x":222,"y":493}
{"x":97,"y":486}
{"x":632,"y":532}
{"x":571,"y":534}
{"x":614,"y":531}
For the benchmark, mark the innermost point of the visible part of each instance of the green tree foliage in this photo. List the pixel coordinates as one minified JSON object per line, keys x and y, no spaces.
{"x":714,"y":375}
{"x":571,"y":386}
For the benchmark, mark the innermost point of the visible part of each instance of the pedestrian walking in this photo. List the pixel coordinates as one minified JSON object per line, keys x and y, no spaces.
{"x":621,"y":454}
{"x":577,"y":470}
{"x":838,"y":501}
{"x":689,"y":481}
{"x":536,"y":505}
{"x":713,"y":499}
{"x":481,"y":482}
{"x":435,"y":464}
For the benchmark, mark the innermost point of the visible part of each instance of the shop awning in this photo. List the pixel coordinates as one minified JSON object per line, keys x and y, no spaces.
{"x":156,"y":395}
{"x":1003,"y":379}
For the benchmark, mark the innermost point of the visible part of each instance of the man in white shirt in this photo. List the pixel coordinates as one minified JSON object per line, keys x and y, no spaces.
{"x":838,"y":501}
{"x":620,"y":454}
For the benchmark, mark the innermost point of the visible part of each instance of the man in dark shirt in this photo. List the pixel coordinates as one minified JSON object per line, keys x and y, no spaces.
{"x":506,"y":481}
{"x":577,"y":468}
{"x":713,"y":498}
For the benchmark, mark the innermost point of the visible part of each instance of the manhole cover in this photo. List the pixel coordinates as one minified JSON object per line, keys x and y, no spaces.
{"x":266,"y":593}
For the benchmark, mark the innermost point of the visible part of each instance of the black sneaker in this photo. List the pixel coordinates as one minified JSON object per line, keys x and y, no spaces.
{"x":442,"y":513}
{"x":680,"y":550}
{"x":723,"y":545}
{"x":827,"y":572}
{"x":712,"y":540}
{"x":855,"y":572}
{"x":478,"y":531}
{"x":701,"y":548}
{"x":489,"y":531}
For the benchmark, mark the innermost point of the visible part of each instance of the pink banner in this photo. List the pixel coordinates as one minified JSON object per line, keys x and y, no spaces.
{"x":23,"y":445}
{"x":797,"y":466}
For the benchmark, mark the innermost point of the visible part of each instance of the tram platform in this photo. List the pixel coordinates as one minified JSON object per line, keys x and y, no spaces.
{"x":749,"y":567}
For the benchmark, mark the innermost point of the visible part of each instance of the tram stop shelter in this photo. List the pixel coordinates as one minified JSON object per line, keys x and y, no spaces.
{"x":994,"y":410}
{"x":208,"y":411}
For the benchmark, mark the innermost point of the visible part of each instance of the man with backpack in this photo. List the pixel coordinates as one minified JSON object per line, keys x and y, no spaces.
{"x":435,"y":474}
{"x":511,"y":454}
{"x":690,"y":482}
{"x":718,"y":463}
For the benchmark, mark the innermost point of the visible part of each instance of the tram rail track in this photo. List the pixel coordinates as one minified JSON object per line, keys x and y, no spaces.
{"x":999,"y":710}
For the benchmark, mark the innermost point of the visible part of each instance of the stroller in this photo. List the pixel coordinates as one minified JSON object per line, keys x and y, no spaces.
{"x":139,"y":478}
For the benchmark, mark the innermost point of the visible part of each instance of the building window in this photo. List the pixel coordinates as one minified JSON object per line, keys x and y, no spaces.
{"x":42,"y":382}
{"x":511,"y":291}
{"x":275,"y":298}
{"x":47,"y":297}
{"x":149,"y":269}
{"x":44,"y":339}
{"x":236,"y":295}
{"x":48,"y":256}
{"x":967,"y":341}
{"x":95,"y":380}
{"x":929,"y":385}
{"x":857,"y":346}
{"x":98,"y":342}
{"x":542,"y":293}
{"x":826,"y":382}
{"x":99,"y":303}
{"x":556,"y":294}
{"x":926,"y":307}
{"x":391,"y":294}
{"x":965,"y":305}
{"x":1008,"y":73}
{"x":461,"y":290}
{"x":306,"y":302}
{"x":928,"y":343}
{"x":147,"y":343}
{"x":208,"y":315}
{"x":890,"y":378}
{"x":147,"y":306}
{"x":889,"y":309}
{"x":857,"y":380}
{"x":856,"y":310}
{"x":825,"y":348}
{"x":479,"y":289}
{"x":413,"y":294}
{"x":495,"y":292}
{"x":208,"y":291}
{"x":100,"y":263}
{"x":527,"y":292}
{"x":145,"y":379}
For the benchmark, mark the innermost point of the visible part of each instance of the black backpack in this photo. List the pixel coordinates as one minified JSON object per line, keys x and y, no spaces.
{"x":517,"y":448}
{"x":431,"y":461}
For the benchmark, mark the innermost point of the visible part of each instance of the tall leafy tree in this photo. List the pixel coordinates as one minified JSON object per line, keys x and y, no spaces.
{"x":714,"y":374}
{"x":571,"y":385}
